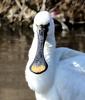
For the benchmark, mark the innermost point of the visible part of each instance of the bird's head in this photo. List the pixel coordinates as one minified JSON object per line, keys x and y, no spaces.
{"x":43,"y":28}
{"x":43,"y":22}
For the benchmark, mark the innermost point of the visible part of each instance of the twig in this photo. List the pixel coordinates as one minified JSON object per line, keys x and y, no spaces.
{"x":18,"y":4}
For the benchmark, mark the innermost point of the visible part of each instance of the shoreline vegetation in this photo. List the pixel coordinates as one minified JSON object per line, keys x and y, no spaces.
{"x":17,"y":13}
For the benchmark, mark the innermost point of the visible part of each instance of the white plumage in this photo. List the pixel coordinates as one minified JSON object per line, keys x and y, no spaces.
{"x":65,"y":77}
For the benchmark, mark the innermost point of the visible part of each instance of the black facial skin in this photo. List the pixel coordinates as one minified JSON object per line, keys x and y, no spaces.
{"x":39,"y":58}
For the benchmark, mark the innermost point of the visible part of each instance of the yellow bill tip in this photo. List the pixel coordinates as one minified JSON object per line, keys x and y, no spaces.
{"x":38,"y":69}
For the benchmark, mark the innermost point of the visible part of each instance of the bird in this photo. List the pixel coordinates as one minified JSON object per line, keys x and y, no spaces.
{"x":53,"y":73}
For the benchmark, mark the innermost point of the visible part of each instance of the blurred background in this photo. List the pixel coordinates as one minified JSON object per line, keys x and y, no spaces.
{"x":16,"y":18}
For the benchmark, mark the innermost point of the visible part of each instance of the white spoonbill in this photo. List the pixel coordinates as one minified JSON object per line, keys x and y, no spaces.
{"x":53,"y":73}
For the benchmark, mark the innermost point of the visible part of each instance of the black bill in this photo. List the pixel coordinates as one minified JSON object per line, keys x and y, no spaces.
{"x":39,"y":64}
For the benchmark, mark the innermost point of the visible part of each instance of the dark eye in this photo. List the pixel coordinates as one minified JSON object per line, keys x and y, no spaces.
{"x":45,"y":26}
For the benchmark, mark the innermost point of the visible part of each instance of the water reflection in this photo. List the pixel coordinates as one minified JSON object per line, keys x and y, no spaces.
{"x":14,"y":47}
{"x":13,"y":58}
{"x":75,"y":39}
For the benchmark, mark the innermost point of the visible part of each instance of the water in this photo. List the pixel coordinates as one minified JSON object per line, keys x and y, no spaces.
{"x":14,"y":48}
{"x":13,"y":58}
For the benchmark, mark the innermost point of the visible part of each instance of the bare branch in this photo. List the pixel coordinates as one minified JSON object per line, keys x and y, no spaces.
{"x":43,"y":5}
{"x":18,"y":4}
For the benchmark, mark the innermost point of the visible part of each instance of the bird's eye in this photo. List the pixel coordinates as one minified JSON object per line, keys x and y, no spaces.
{"x":47,"y":25}
{"x":43,"y":26}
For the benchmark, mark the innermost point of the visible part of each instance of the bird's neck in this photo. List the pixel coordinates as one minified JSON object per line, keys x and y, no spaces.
{"x":51,"y":40}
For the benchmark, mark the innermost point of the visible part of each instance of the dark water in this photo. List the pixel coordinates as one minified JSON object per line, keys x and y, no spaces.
{"x":14,"y":48}
{"x":13,"y":58}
